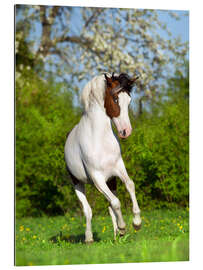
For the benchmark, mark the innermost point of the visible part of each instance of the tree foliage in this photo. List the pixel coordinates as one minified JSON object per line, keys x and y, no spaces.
{"x":44,"y":115}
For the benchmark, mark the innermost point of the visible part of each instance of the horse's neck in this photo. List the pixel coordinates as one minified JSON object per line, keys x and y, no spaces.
{"x":99,"y":121}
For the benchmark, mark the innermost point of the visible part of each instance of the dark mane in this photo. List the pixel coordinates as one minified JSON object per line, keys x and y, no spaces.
{"x":124,"y":81}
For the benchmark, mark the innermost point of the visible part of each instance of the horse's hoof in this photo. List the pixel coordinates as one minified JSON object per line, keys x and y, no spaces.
{"x":137,"y":227}
{"x":89,"y":242}
{"x":122,"y":231}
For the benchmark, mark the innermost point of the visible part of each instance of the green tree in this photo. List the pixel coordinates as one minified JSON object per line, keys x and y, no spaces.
{"x":157,"y":154}
{"x":44,"y":115}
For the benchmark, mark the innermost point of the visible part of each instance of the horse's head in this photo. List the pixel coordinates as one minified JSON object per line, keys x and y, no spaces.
{"x":117,"y":99}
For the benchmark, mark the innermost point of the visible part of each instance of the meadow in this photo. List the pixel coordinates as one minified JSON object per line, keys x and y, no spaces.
{"x":164,"y":236}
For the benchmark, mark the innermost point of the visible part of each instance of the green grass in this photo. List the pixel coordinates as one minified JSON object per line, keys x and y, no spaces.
{"x":164,"y":236}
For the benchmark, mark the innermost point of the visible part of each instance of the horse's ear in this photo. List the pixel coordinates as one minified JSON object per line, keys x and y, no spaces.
{"x":135,"y":78}
{"x":113,"y":77}
{"x":108,"y":79}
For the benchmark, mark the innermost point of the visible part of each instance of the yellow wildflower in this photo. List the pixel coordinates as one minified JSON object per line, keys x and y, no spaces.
{"x":34,"y":237}
{"x":23,"y":239}
{"x":21,"y":228}
{"x":104,"y":229}
{"x":65,"y":227}
{"x":27,"y":229}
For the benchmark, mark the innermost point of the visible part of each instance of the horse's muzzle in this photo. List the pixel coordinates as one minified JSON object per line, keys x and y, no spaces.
{"x":125,"y":133}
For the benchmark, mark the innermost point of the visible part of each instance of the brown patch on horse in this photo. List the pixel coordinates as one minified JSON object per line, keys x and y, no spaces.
{"x":115,"y":85}
{"x":111,"y":101}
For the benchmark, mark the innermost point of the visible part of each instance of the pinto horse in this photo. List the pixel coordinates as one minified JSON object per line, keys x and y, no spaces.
{"x":92,"y":150}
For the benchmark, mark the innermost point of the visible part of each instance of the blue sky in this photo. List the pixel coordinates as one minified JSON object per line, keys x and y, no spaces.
{"x":178,"y":28}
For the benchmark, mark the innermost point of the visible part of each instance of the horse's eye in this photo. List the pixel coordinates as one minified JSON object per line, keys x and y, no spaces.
{"x":115,"y":99}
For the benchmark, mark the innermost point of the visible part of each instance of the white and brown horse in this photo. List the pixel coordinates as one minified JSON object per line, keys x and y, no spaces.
{"x":92,"y":150}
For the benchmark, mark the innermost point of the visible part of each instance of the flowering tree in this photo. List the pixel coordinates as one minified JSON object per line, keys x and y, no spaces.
{"x":77,"y":43}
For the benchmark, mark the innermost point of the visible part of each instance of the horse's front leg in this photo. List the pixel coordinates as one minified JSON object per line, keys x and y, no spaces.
{"x":112,"y":186}
{"x":130,"y":186}
{"x":100,"y":183}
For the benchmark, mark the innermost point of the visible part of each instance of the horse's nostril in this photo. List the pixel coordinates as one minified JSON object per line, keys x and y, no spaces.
{"x":123,"y":133}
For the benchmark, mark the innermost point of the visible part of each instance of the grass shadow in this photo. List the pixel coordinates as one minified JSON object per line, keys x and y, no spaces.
{"x":74,"y":239}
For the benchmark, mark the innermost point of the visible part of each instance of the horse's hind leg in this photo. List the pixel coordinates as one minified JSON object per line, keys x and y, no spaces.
{"x":80,"y":192}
